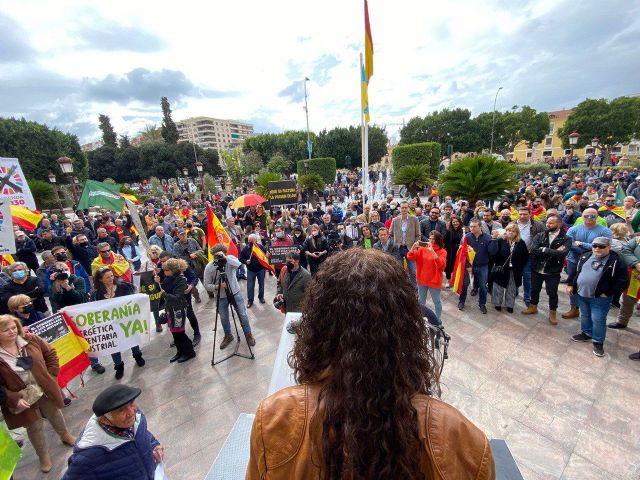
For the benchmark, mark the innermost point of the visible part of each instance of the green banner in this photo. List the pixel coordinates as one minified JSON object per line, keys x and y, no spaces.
{"x":10,"y":454}
{"x":104,"y":195}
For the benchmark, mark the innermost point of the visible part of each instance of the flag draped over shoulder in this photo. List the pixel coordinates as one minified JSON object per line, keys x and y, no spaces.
{"x":261,"y":257}
{"x":367,"y":67}
{"x":25,"y":218}
{"x":465,"y":254}
{"x":217,"y":234}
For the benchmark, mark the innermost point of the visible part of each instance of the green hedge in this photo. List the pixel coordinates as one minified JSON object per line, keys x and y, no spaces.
{"x":526,"y":168}
{"x":427,"y":153}
{"x":325,"y":167}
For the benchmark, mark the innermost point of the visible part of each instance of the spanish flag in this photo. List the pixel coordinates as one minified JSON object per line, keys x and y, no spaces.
{"x":465,"y":254}
{"x":261,"y":257}
{"x":367,"y":67}
{"x":72,"y":354}
{"x":25,"y":218}
{"x":131,"y":198}
{"x":6,"y":260}
{"x":217,"y":234}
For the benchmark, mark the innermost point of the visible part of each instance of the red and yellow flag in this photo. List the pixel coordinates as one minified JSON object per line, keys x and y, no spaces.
{"x":633,"y":290}
{"x":6,"y":260}
{"x":262,"y":258}
{"x":25,"y":218}
{"x":465,"y":254}
{"x":217,"y":234}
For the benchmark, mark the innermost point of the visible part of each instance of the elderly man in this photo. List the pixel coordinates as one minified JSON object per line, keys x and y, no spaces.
{"x":103,"y":236}
{"x":599,"y":277}
{"x":115,"y":443}
{"x":21,"y":282}
{"x":385,"y":244}
{"x":116,"y":262}
{"x":162,"y":240}
{"x":581,"y":237}
{"x":26,"y":250}
{"x":529,"y":228}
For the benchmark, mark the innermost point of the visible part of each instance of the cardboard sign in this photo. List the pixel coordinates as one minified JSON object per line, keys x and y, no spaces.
{"x":283,"y":192}
{"x":13,"y":184}
{"x":277,"y":255}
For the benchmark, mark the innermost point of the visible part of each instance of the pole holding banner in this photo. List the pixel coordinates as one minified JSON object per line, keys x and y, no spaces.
{"x":135,"y":217}
{"x":7,"y":237}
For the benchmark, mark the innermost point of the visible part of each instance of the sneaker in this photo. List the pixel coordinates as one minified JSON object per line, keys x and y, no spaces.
{"x":598,"y":351}
{"x":460,"y":306}
{"x":617,"y":326}
{"x":98,"y":368}
{"x":226,"y":341}
{"x":196,"y":340}
{"x":474,"y":292}
{"x":635,"y":356}
{"x":581,"y":337}
{"x":250,"y":340}
{"x":483,"y":309}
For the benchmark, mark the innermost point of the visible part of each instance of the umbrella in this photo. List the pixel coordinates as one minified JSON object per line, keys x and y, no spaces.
{"x":247,"y":200}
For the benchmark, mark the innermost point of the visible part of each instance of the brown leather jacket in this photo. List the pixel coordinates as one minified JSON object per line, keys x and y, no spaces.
{"x":45,"y":370}
{"x":281,"y":447}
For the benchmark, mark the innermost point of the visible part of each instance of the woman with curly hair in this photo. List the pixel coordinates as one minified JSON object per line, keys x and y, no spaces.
{"x":365,"y":406}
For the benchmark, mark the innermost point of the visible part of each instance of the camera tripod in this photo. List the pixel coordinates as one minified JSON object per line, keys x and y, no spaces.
{"x":233,"y":307}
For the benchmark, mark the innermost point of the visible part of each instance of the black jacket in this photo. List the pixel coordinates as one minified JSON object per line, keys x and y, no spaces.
{"x":545,"y":257}
{"x":84,"y":255}
{"x":425,"y":228}
{"x":174,"y":287}
{"x":32,"y":288}
{"x":614,"y":278}
{"x":500,"y":251}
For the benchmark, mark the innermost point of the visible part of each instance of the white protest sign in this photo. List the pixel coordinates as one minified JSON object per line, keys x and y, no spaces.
{"x":135,"y":217}
{"x":13,"y":184}
{"x":7,"y":238}
{"x":113,"y":325}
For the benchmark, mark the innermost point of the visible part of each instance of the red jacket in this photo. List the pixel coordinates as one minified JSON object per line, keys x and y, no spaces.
{"x":428,"y":269}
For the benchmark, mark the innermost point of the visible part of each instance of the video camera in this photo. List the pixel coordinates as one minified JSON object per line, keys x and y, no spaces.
{"x":61,"y":275}
{"x":220,"y":262}
{"x":334,"y":242}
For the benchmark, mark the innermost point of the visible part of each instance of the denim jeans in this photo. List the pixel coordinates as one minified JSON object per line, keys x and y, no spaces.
{"x":94,"y":362}
{"x":526,"y":282}
{"x":241,"y":272}
{"x":423,"y":291}
{"x":251,"y":284}
{"x":593,"y":316}
{"x":117,"y":357}
{"x":411,"y":265}
{"x":481,"y":272}
{"x":223,"y":308}
{"x":571,"y":270}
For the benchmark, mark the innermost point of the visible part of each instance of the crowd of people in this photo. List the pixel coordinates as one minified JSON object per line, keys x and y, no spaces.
{"x":583,"y":226}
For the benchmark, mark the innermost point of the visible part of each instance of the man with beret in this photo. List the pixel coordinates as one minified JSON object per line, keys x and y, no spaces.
{"x":115,"y":444}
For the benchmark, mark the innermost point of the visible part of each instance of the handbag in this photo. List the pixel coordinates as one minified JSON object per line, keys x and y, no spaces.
{"x":500,"y":270}
{"x":31,"y":393}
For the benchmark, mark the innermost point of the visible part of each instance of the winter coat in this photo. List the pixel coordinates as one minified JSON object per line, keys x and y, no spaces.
{"x":550,"y":260}
{"x":99,"y":455}
{"x":500,"y":251}
{"x":293,"y":291}
{"x":452,"y":241}
{"x":613,"y":281}
{"x":32,"y":288}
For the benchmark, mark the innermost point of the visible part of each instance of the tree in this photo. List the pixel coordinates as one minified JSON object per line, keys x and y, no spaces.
{"x":124,"y":141}
{"x":414,"y":177}
{"x":251,"y":163}
{"x":517,"y":126}
{"x":279,"y":164}
{"x":43,"y":194}
{"x":292,"y":145}
{"x":611,"y":122}
{"x":38,"y":147}
{"x":478,"y":178}
{"x":109,"y":136}
{"x":345,"y":143}
{"x":312,"y":182}
{"x":447,"y":127}
{"x":232,"y":160}
{"x":151,"y":134}
{"x":262,"y":183}
{"x":169,"y":130}
{"x":102,"y":163}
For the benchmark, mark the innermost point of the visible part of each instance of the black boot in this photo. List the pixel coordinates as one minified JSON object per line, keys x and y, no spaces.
{"x":139,"y":360}
{"x":119,"y":371}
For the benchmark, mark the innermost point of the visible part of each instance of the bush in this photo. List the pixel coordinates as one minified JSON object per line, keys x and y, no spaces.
{"x":527,"y":168}
{"x":325,"y":167}
{"x":262,"y":183}
{"x":427,"y":153}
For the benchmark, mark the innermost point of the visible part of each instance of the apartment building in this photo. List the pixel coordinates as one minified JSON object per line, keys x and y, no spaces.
{"x":215,"y":133}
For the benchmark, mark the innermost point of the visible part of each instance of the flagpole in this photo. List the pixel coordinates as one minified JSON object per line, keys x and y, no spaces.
{"x":362,"y":130}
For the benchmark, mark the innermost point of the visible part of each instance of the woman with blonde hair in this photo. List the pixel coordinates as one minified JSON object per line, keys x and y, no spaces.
{"x":21,"y":306}
{"x":172,"y":288}
{"x":315,"y":248}
{"x":509,"y":255}
{"x":620,"y":232}
{"x":28,"y":370}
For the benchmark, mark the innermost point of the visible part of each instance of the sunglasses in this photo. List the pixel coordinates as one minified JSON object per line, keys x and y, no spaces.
{"x":105,"y":251}
{"x":590,"y":216}
{"x":593,"y":245}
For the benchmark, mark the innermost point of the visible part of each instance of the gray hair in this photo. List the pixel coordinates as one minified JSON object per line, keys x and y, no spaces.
{"x":15,"y":265}
{"x":101,"y":245}
{"x":47,"y":254}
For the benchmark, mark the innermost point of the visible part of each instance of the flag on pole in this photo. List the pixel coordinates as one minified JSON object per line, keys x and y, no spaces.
{"x":368,"y":45}
{"x":364,"y":94}
{"x":25,"y":218}
{"x":620,"y":196}
{"x":100,"y":194}
{"x":465,"y":254}
{"x":262,"y":258}
{"x":217,"y":234}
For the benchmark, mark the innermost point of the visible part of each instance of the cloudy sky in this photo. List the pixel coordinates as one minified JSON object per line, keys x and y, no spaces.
{"x":65,"y":62}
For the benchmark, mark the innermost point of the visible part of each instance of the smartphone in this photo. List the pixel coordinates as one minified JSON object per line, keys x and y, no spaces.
{"x":423,"y":244}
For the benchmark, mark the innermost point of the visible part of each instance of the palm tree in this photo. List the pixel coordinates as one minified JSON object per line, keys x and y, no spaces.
{"x":478,"y":178}
{"x":151,"y":134}
{"x":414,"y":177}
{"x":262,"y":183}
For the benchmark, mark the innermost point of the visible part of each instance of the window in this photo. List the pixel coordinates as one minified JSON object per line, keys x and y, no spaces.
{"x":547,"y":153}
{"x":567,"y":151}
{"x":548,"y":141}
{"x":529,"y":154}
{"x":633,"y":149}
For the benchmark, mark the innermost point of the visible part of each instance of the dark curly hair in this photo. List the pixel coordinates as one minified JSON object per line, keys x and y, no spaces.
{"x":363,"y":335}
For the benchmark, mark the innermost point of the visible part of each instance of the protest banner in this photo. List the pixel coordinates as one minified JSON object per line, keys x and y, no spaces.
{"x":113,"y":325}
{"x":277,"y":255}
{"x":135,"y":217}
{"x":13,"y":184}
{"x":60,"y":332}
{"x":283,"y":192}
{"x":10,"y":453}
{"x":7,"y":237}
{"x":99,"y":194}
{"x":149,"y":286}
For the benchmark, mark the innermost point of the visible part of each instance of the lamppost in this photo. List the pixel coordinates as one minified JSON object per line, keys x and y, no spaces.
{"x":52,"y":179}
{"x":493,"y":122}
{"x":66,"y":165}
{"x":306,"y":111}
{"x":595,"y":141}
{"x":573,"y":141}
{"x":199,"y":168}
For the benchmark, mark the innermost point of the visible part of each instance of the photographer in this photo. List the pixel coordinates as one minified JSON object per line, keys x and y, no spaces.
{"x":222,"y":271}
{"x":66,"y":289}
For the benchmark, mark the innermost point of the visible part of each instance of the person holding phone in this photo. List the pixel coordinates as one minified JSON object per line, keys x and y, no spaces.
{"x":431,"y":260}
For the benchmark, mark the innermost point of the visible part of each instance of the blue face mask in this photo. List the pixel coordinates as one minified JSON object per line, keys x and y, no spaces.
{"x":19,"y":274}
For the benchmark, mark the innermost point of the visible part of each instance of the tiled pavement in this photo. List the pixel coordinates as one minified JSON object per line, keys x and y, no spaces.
{"x":564,"y":413}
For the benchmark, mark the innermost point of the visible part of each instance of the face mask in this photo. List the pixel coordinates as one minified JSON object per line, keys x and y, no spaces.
{"x":189,"y":225}
{"x":19,"y":274}
{"x":61,"y":257}
{"x":298,"y":234}
{"x":505,"y":219}
{"x":279,"y":234}
{"x":84,"y":244}
{"x":27,"y":309}
{"x":289,"y":265}
{"x":609,"y":203}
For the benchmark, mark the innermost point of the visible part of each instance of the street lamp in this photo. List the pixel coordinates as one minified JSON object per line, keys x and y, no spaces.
{"x":185,"y":171}
{"x":199,"y":168}
{"x":493,"y":122}
{"x":52,"y":179}
{"x":573,"y":141}
{"x":66,"y":165}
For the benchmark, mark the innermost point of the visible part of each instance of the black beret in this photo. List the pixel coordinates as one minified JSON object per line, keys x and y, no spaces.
{"x":114,"y":397}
